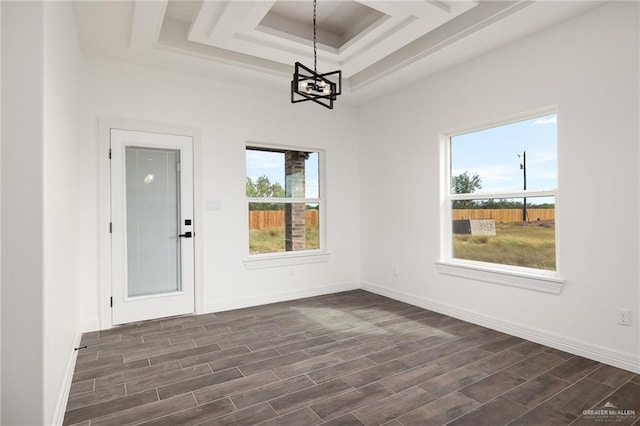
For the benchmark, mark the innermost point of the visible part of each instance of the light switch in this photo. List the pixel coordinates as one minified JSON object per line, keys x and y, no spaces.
{"x":213,"y":205}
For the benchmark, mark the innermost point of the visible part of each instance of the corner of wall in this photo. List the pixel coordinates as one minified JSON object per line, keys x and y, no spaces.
{"x":227,"y":305}
{"x":63,"y":396}
{"x":22,"y":202}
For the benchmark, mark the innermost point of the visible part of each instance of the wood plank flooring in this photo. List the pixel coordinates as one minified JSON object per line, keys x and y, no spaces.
{"x":351,"y":358}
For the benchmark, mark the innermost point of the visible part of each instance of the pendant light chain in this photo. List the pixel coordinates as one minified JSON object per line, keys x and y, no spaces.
{"x":315,"y":36}
{"x":307,"y":84}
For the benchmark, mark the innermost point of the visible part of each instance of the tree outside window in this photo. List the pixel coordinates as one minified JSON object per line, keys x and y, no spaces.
{"x":503,"y":211}
{"x":283,"y":197}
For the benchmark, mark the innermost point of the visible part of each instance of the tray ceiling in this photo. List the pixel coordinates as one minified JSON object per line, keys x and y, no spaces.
{"x":371,"y":41}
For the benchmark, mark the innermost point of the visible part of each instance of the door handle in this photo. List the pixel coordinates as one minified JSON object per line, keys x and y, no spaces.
{"x":186,"y":235}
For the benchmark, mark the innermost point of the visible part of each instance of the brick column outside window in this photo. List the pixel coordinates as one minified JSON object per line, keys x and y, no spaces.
{"x":294,"y":214}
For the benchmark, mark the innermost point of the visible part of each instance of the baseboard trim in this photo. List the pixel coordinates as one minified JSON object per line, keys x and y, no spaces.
{"x":227,"y":305}
{"x":625,"y":360}
{"x":91,"y":325}
{"x":63,"y":398}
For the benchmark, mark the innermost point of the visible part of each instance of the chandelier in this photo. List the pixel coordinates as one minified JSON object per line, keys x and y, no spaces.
{"x":308,"y":85}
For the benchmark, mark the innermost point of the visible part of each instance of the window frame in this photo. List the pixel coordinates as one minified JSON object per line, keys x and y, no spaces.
{"x":288,"y":258}
{"x":540,"y":280}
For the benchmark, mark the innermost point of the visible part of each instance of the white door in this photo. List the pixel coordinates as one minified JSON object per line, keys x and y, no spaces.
{"x":152,"y":225}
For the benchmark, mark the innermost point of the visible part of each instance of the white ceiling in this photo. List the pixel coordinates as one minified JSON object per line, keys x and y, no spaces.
{"x":378,"y":45}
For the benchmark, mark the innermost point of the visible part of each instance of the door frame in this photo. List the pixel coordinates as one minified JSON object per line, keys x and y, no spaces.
{"x":105,"y":124}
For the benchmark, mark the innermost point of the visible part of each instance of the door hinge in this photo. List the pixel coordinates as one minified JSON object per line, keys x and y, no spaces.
{"x":111,"y":227}
{"x":109,"y":153}
{"x":178,"y":167}
{"x":111,"y":302}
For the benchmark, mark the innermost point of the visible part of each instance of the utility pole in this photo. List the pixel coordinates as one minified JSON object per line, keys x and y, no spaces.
{"x":523,"y":167}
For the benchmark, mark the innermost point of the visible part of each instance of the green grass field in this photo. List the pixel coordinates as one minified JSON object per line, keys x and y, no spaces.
{"x":529,"y":245}
{"x":272,"y":240}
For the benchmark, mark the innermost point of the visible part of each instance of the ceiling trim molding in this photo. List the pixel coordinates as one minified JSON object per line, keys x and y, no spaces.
{"x":441,"y":37}
{"x":382,"y":49}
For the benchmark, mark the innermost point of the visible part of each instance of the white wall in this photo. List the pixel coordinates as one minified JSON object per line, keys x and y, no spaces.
{"x":390,"y":184}
{"x":22,"y":206}
{"x":62,"y":209}
{"x":228,"y":117}
{"x":588,"y":67}
{"x":0,"y":212}
{"x":40,"y":209}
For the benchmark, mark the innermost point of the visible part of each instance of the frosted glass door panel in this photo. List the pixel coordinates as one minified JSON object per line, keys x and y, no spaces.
{"x":152,"y":244}
{"x":153,"y":221}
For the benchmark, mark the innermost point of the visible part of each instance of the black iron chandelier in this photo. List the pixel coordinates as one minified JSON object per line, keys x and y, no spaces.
{"x":308,"y":85}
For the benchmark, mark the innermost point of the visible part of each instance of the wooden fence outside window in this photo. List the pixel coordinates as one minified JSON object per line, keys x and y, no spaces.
{"x":264,"y":219}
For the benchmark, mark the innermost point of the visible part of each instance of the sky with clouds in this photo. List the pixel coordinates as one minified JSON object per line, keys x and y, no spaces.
{"x":271,"y":164}
{"x":491,"y":153}
{"x":496,"y":154}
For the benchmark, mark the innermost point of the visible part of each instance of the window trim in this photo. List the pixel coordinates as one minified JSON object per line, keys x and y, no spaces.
{"x":290,"y":258}
{"x":501,"y":195}
{"x":280,"y":259}
{"x":518,"y":277}
{"x":508,"y":275}
{"x":282,"y":200}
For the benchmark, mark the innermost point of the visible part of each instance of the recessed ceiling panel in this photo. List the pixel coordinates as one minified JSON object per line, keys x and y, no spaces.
{"x":351,"y":34}
{"x":339,"y":21}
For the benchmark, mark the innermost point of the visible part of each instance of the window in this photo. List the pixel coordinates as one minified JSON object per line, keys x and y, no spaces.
{"x":501,"y":196}
{"x":283,"y":199}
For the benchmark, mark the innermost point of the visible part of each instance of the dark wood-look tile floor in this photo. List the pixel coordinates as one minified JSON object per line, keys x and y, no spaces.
{"x":351,"y":358}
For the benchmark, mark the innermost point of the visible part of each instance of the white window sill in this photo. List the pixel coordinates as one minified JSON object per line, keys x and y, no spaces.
{"x":512,"y":278}
{"x":274,"y":260}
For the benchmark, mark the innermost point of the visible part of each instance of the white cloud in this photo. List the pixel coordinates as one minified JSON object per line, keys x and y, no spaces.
{"x":541,"y":157}
{"x":496,"y":178}
{"x":546,"y":120}
{"x":263,"y":163}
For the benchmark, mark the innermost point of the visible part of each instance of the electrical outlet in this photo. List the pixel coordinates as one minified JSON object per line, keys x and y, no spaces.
{"x":396,"y":271}
{"x":624,"y":316}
